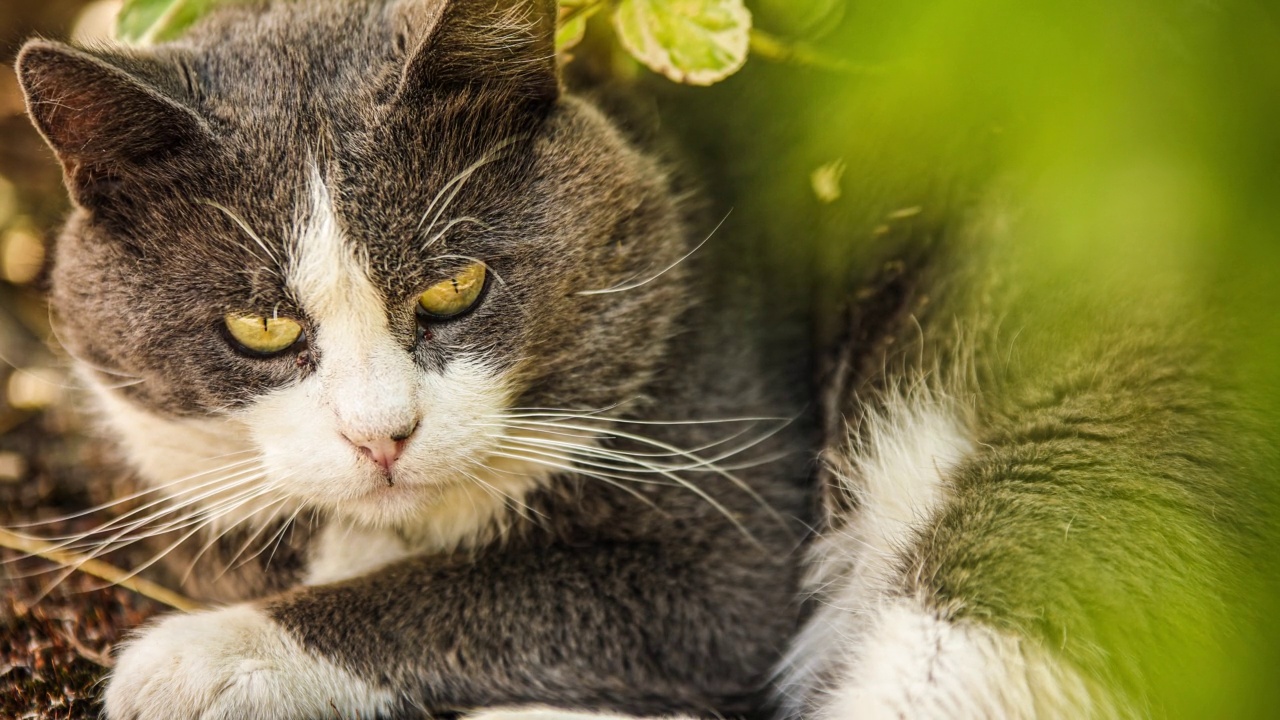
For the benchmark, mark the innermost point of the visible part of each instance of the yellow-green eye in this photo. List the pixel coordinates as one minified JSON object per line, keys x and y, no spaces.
{"x":450,"y":298}
{"x":263,"y":335}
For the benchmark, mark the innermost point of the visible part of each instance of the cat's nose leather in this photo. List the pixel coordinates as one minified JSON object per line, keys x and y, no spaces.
{"x":383,"y":451}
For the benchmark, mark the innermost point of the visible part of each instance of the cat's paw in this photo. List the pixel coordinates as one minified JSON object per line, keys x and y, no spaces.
{"x":232,"y":664}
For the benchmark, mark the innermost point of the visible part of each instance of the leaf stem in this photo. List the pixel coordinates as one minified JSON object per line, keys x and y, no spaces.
{"x":773,"y":48}
{"x":584,"y":8}
{"x":96,"y":568}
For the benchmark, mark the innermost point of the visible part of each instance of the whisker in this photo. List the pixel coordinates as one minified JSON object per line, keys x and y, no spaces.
{"x":616,"y":451}
{"x":451,"y":224}
{"x":521,"y":507}
{"x":70,"y":569}
{"x":244,"y":226}
{"x":699,"y":462}
{"x":524,"y":413}
{"x":232,"y":564}
{"x":603,"y":477}
{"x":455,"y":185}
{"x":286,"y":525}
{"x":138,"y":494}
{"x":216,"y":538}
{"x":633,"y":285}
{"x":666,"y":446}
{"x":160,"y":555}
{"x":122,"y":537}
{"x":578,"y":452}
{"x":226,"y":482}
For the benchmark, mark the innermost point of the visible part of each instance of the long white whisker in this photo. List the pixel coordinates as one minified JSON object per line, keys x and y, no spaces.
{"x":231,"y":564}
{"x":160,"y":555}
{"x":681,"y":482}
{"x":455,"y":185}
{"x":627,"y":453}
{"x":603,"y":477}
{"x":127,"y":536}
{"x":520,"y":506}
{"x":528,"y":413}
{"x":245,"y":227}
{"x":664,"y":271}
{"x":578,"y":462}
{"x":122,"y":537}
{"x":138,"y":494}
{"x":217,"y":537}
{"x":102,"y":550}
{"x":286,"y":525}
{"x":453,"y":223}
{"x":666,"y":446}
{"x":222,"y":483}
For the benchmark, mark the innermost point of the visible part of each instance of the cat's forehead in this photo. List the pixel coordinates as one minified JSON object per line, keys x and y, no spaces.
{"x":307,"y":58}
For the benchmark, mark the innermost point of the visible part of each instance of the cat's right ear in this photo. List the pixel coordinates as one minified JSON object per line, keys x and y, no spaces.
{"x":105,"y":123}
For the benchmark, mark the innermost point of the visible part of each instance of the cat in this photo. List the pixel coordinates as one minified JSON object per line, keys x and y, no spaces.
{"x":1021,"y":516}
{"x":416,"y":363}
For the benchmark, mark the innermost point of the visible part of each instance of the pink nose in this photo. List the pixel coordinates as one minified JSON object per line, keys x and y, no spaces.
{"x":383,"y":451}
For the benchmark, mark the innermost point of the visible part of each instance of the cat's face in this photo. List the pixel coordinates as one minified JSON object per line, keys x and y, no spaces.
{"x":323,"y":254}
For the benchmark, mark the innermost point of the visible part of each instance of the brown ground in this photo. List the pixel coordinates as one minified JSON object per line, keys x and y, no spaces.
{"x":53,"y":649}
{"x":55,"y":644}
{"x":57,"y":629}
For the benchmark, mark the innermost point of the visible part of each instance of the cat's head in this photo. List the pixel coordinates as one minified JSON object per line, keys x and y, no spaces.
{"x":344,"y":254}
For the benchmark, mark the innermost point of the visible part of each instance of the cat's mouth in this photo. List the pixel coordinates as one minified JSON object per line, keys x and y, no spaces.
{"x":444,"y":513}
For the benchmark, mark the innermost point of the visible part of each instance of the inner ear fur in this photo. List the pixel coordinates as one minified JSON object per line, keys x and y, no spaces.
{"x":504,"y":45}
{"x":106,"y":117}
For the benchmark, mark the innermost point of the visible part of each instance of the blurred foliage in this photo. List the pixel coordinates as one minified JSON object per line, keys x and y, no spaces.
{"x":1135,"y":142}
{"x":1132,"y":146}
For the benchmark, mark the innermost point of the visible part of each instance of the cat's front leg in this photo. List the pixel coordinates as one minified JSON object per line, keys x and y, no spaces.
{"x":233,"y":663}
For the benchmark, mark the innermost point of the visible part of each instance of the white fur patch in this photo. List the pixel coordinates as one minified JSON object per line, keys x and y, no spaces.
{"x":232,"y":664}
{"x":912,"y":664}
{"x":896,"y":474}
{"x":869,"y":652}
{"x":207,"y":468}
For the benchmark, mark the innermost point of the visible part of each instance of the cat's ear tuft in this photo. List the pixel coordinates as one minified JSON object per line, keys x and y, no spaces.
{"x":506,"y":45}
{"x":105,"y":122}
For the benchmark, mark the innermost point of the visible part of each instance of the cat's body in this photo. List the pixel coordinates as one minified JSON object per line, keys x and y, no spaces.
{"x":1042,"y":496}
{"x":583,"y":489}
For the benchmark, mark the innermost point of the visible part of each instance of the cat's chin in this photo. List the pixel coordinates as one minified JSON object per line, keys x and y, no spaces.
{"x":387,"y":505}
{"x":439,"y":516}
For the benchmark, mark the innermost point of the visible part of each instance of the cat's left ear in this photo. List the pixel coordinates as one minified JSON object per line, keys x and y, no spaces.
{"x":508,"y":46}
{"x":107,"y":118}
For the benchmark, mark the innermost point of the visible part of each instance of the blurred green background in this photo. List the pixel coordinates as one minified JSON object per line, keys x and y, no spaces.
{"x":1137,"y":141}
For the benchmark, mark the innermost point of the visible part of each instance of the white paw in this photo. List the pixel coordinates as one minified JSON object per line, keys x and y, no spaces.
{"x":232,"y":664}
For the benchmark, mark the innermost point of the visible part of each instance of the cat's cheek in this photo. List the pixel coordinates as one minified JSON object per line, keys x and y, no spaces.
{"x":231,"y":663}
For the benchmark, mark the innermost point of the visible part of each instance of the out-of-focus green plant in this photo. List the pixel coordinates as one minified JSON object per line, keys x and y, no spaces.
{"x":142,"y":22}
{"x":695,"y":42}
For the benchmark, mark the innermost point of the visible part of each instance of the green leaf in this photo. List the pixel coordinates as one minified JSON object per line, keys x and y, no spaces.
{"x":573,"y":22}
{"x":571,"y":32}
{"x":697,"y":42}
{"x":142,"y":22}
